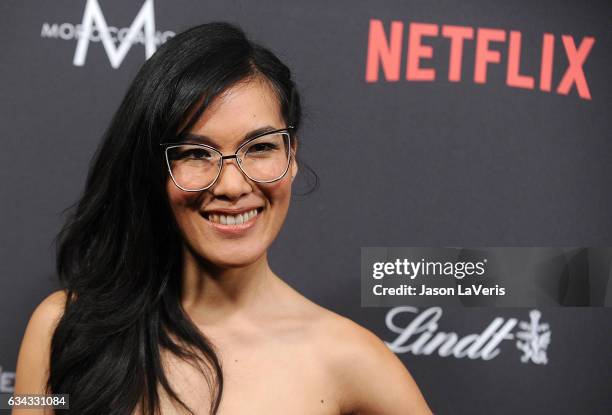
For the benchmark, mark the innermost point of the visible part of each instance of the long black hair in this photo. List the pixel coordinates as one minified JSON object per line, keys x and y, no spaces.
{"x":119,"y":252}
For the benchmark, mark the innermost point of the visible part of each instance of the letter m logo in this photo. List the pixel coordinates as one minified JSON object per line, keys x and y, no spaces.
{"x":93,"y":15}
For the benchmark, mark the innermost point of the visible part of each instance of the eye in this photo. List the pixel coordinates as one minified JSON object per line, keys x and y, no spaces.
{"x":195,"y":154}
{"x":261,"y":147}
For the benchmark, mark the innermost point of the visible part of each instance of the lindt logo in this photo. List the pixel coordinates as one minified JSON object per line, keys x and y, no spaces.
{"x":492,"y":46}
{"x":421,"y":336}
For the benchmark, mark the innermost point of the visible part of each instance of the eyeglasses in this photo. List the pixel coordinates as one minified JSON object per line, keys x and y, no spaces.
{"x":264,"y":158}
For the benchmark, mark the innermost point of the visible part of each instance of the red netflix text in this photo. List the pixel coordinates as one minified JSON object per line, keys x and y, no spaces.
{"x":385,"y":50}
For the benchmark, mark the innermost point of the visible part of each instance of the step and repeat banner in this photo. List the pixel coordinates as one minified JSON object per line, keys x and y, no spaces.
{"x":432,"y":126}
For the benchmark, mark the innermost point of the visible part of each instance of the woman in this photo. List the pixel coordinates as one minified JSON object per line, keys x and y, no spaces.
{"x":169,"y":301}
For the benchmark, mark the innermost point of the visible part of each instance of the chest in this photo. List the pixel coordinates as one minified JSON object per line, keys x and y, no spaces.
{"x":261,"y":376}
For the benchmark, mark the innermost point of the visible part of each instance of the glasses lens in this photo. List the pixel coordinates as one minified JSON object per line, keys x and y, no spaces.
{"x":193,"y":167}
{"x":266,"y":158}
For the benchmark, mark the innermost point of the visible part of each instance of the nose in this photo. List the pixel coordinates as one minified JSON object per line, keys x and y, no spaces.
{"x":232,"y":183}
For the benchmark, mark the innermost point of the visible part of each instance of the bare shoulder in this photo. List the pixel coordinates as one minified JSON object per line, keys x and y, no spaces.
{"x":33,"y":360}
{"x":46,"y":315}
{"x":371,"y":378}
{"x":368,"y":378}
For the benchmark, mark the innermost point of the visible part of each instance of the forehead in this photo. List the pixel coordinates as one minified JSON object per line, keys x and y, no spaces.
{"x":241,"y":109}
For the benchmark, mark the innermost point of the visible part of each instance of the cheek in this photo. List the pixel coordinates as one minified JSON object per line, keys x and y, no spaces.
{"x":174,"y":196}
{"x":279,"y":193}
{"x":178,"y":199}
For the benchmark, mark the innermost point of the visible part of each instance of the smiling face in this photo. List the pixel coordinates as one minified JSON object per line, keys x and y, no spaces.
{"x":262,"y":207}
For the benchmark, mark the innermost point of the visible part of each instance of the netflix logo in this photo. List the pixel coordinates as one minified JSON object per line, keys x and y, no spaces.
{"x":492,"y":46}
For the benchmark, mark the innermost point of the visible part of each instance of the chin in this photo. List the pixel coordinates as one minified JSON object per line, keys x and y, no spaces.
{"x":234,"y":262}
{"x":232,"y":257}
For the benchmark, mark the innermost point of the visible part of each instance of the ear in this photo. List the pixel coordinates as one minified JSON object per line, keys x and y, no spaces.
{"x":294,"y":163}
{"x":294,"y":168}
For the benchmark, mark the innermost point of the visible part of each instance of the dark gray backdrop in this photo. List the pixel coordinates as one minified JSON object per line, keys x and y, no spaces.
{"x":400,"y":163}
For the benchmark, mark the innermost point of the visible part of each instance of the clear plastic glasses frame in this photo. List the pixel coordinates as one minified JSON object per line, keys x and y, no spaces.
{"x":286,"y":132}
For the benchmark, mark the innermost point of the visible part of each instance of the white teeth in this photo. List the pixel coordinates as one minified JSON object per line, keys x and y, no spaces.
{"x":232,"y":219}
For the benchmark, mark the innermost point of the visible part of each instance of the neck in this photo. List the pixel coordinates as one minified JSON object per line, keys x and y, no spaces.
{"x":214,"y":295}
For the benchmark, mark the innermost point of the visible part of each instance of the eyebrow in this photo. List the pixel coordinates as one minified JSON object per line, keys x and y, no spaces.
{"x":209,"y":141}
